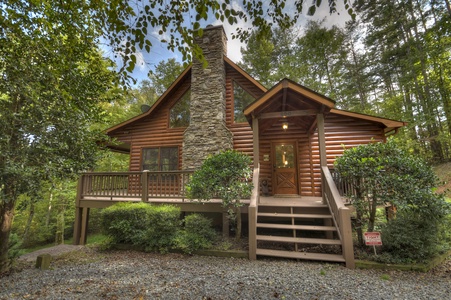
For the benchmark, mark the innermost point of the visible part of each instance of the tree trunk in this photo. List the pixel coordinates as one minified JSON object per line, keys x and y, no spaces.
{"x":238,"y":224}
{"x":6,"y":219}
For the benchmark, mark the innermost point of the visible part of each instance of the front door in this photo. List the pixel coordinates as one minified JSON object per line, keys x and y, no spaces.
{"x":284,"y":168}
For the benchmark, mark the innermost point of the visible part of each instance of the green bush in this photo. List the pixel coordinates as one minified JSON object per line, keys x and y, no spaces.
{"x":153,"y":227}
{"x":164,"y":222}
{"x":226,"y":175}
{"x":409,"y":239}
{"x":126,"y":223}
{"x":197,"y":234}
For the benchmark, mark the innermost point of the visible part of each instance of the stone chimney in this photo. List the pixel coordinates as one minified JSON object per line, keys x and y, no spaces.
{"x":207,"y":132}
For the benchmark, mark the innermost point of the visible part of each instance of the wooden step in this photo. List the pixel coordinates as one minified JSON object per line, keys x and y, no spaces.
{"x":285,"y":215}
{"x":301,"y":255}
{"x":299,"y":240}
{"x":297,"y":227}
{"x":292,"y":204}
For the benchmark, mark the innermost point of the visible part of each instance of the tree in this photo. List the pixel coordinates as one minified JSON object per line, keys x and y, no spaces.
{"x":126,"y":25}
{"x":53,"y":79}
{"x":383,"y":173}
{"x":225,"y":176}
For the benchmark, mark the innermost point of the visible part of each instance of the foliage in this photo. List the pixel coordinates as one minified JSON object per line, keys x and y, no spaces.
{"x":153,"y":227}
{"x":126,"y":222}
{"x":15,"y":248}
{"x":197,"y":234}
{"x":164,"y":221}
{"x":225,"y":176}
{"x":410,"y":239}
{"x":383,"y":173}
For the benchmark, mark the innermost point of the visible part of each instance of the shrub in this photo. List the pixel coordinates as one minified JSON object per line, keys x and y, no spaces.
{"x":153,"y":227}
{"x":409,"y":239}
{"x":164,"y":222}
{"x":226,"y":176}
{"x":126,"y":222}
{"x":383,"y":173}
{"x":197,"y":234}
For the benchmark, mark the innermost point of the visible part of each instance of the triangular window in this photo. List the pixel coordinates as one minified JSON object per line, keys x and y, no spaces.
{"x":180,"y":114}
{"x":241,"y":99}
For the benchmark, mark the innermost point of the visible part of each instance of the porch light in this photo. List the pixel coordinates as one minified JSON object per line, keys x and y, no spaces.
{"x":284,"y":125}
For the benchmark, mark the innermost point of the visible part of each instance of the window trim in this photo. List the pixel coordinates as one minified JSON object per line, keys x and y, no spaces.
{"x":159,"y":166}
{"x":188,"y":89}
{"x":235,"y":82}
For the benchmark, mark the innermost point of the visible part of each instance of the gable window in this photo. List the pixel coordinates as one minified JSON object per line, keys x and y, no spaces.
{"x":241,"y":99}
{"x":180,"y":114}
{"x":160,"y":159}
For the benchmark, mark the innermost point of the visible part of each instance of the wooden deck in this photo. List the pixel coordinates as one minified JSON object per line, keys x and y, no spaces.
{"x":281,"y":219}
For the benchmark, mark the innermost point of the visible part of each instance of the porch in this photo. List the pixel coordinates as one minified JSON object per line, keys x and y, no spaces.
{"x":281,"y":219}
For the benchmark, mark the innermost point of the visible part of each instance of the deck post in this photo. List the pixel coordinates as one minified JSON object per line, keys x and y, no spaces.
{"x":322,"y":148}
{"x":84,"y":226}
{"x":78,"y":212}
{"x":346,"y":235}
{"x":145,"y":185}
{"x":252,"y":212}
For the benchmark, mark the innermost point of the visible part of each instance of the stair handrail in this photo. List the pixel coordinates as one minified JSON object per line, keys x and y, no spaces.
{"x":252,"y":213}
{"x":340,"y":215}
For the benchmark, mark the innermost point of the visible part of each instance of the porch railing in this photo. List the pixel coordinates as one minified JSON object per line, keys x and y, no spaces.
{"x":341,"y":215}
{"x":140,"y":185}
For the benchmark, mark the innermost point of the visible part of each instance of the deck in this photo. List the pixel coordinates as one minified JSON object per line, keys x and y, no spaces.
{"x":291,"y":214}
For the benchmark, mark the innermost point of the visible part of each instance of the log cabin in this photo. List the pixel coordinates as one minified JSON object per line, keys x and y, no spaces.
{"x":292,"y":133}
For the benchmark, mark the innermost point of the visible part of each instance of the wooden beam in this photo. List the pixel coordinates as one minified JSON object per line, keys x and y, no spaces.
{"x":255,"y":141}
{"x":321,"y":140}
{"x":285,"y":114}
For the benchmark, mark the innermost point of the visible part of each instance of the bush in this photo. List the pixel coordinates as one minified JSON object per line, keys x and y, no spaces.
{"x":409,"y":239}
{"x":164,"y":222}
{"x":197,"y":234}
{"x":126,"y":222}
{"x":153,"y":227}
{"x":226,"y":175}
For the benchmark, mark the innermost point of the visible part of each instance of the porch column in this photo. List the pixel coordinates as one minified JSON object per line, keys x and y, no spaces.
{"x":321,"y":140}
{"x":256,"y":141}
{"x":322,"y":148}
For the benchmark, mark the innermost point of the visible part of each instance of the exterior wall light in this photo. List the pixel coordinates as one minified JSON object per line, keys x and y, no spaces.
{"x":285,"y":126}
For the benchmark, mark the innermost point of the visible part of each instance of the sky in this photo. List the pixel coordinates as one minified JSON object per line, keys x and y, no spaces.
{"x":159,"y":52}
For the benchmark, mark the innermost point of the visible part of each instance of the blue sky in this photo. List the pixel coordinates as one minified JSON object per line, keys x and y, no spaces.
{"x":147,"y":61}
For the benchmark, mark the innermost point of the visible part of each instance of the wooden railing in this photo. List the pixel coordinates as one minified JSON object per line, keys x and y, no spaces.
{"x":142,"y":185}
{"x":344,"y":187}
{"x":341,"y":215}
{"x":252,"y":214}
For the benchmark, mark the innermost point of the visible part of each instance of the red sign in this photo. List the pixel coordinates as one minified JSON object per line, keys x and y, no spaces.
{"x":373,"y":239}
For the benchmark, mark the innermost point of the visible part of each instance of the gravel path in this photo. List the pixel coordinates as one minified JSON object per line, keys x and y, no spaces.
{"x":87,"y":274}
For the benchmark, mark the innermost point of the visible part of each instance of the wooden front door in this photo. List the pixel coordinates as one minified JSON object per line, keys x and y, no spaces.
{"x":284,"y":168}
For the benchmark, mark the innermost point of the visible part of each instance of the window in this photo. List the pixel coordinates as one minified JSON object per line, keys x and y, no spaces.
{"x":241,"y":100}
{"x":160,"y":159}
{"x":179,"y":114}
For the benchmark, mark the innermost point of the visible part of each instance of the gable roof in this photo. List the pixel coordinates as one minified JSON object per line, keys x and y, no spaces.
{"x":319,"y":99}
{"x":179,"y":79}
{"x":293,"y":86}
{"x":174,"y":85}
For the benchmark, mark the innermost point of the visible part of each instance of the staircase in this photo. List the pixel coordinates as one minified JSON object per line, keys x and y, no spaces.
{"x":297,"y":229}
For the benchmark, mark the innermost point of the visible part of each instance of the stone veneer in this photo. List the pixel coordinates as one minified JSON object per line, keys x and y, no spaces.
{"x":207,"y":132}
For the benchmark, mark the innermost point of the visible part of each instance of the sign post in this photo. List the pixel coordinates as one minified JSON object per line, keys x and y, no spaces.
{"x":373,"y":239}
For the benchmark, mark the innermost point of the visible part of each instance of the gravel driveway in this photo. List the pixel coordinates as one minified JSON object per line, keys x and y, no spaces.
{"x":87,"y":274}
